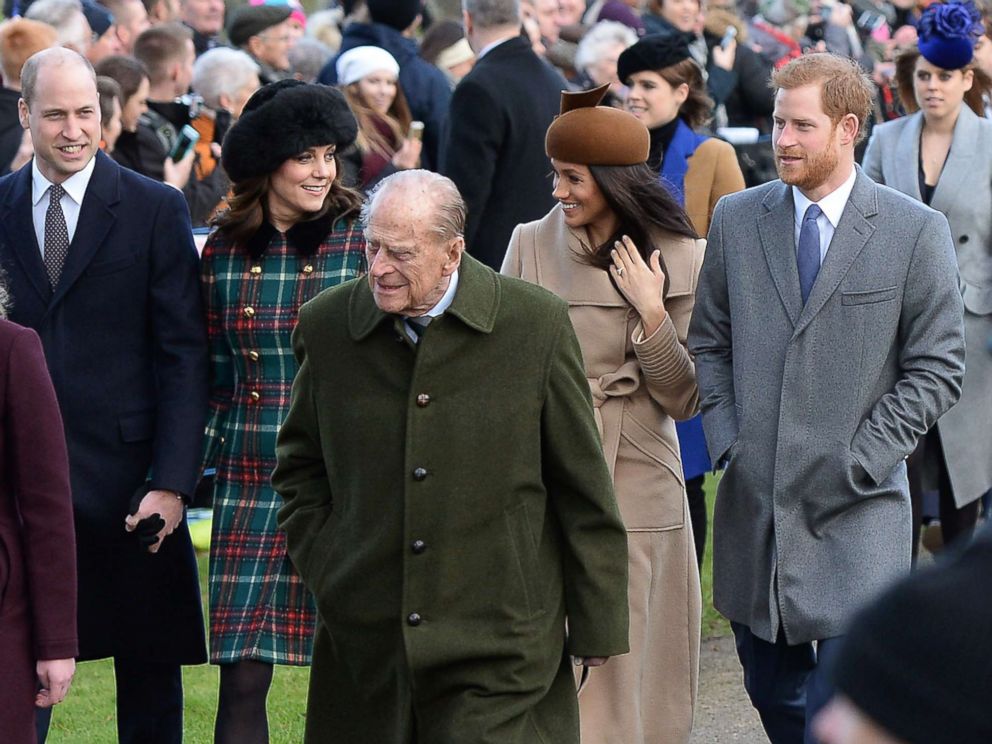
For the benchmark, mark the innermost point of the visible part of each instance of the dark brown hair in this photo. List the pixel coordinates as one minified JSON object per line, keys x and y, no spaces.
{"x":697,"y":108}
{"x":642,"y":206}
{"x":906,"y":71}
{"x":127,"y":71}
{"x":108,"y":89}
{"x":247,"y":207}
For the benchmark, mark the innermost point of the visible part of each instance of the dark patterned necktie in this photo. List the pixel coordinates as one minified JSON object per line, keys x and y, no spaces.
{"x":56,"y":235}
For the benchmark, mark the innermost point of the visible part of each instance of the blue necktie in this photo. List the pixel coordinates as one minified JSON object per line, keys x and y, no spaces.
{"x":809,"y":251}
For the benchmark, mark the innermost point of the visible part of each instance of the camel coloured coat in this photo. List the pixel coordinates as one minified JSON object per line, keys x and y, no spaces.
{"x":640,"y":387}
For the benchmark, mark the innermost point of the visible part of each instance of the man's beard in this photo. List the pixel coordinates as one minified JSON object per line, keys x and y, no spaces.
{"x":812,"y":172}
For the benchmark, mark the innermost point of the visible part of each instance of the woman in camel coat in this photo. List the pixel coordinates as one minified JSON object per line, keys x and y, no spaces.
{"x":625,"y":257}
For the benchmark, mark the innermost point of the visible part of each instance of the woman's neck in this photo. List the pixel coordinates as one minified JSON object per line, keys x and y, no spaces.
{"x":602,"y":230}
{"x":941,"y":125}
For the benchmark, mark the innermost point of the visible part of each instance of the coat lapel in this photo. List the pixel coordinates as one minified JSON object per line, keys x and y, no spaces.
{"x":959,"y":166}
{"x":850,"y":237}
{"x":907,"y":166}
{"x":96,"y":218}
{"x":476,"y":301}
{"x":17,"y":223}
{"x":560,"y":269}
{"x":777,"y":227}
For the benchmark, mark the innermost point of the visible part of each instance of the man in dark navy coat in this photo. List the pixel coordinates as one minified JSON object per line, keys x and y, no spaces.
{"x":101,"y":263}
{"x":500,"y":112}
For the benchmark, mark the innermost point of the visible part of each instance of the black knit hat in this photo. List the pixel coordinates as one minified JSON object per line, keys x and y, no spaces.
{"x":653,"y":52}
{"x":281,"y":120}
{"x":251,"y":20}
{"x":398,"y":14}
{"x":918,"y":662}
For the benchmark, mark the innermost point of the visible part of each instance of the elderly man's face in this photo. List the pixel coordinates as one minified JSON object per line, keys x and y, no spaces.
{"x":409,"y":266}
{"x":206,"y":16}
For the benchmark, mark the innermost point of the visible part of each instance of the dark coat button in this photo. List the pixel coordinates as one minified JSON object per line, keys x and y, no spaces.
{"x":963,"y":239}
{"x":423,"y":400}
{"x":413,"y":619}
{"x":418,"y":547}
{"x":419,"y":474}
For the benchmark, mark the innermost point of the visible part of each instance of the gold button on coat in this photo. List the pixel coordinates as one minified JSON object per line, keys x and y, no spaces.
{"x":423,"y":400}
{"x":249,"y":312}
{"x":255,"y":395}
{"x":256,"y":269}
{"x":308,"y":269}
{"x":253,"y":355}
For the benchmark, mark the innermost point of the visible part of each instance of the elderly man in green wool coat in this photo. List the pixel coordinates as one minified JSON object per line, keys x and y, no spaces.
{"x":446,"y":499}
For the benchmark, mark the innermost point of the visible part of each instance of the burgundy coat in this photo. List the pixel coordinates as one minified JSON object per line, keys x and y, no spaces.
{"x":37,"y":540}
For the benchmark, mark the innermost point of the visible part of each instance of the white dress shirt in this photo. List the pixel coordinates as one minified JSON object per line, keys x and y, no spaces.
{"x":75,"y":189}
{"x":443,"y":304}
{"x":831,"y":206}
{"x":489,"y":47}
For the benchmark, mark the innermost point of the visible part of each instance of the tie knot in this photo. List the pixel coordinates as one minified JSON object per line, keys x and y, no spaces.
{"x":813,"y":212}
{"x":55,"y":192}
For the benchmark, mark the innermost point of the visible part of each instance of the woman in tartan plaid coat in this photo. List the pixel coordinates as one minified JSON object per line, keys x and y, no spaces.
{"x":290,"y":232}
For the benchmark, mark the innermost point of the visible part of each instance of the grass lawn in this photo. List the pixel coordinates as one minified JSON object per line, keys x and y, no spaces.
{"x":87,"y":716}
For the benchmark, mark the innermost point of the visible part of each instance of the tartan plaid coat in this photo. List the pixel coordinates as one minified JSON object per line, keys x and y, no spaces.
{"x":259,"y":609}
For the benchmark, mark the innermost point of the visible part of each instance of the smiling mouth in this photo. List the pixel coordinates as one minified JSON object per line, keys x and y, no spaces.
{"x":568,"y":206}
{"x":315,"y":189}
{"x":71,"y":149}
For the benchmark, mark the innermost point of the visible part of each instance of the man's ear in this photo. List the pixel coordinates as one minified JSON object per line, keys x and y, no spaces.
{"x":453,"y":257}
{"x":467,"y":23}
{"x":23,"y":114}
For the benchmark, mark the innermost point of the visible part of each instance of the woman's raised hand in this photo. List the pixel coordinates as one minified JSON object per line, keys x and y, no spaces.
{"x":640,"y":283}
{"x":408,"y":156}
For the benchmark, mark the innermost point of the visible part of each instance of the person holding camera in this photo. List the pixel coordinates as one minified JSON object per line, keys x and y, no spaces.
{"x":290,"y":231}
{"x":163,"y":144}
{"x":368,"y":76}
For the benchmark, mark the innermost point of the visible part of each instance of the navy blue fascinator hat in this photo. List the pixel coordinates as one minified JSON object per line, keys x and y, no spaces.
{"x":948,"y":32}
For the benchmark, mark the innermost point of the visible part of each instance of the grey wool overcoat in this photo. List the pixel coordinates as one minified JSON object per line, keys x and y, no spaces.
{"x":817,"y":406}
{"x":449,"y":507}
{"x":964,"y":196}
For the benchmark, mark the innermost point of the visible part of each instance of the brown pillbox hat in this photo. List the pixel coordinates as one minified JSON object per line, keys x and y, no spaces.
{"x":588,"y":134}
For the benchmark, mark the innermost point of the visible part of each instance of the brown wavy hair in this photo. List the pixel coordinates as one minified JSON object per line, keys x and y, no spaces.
{"x":248,"y":206}
{"x":697,"y":108}
{"x":906,"y":70}
{"x":369,"y":138}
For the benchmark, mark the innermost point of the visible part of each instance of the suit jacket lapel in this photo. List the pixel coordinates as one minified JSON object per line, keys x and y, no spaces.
{"x":17,"y":223}
{"x":907,"y":165}
{"x":958,"y":167}
{"x":96,"y":217}
{"x":777,"y":227}
{"x":849,"y":239}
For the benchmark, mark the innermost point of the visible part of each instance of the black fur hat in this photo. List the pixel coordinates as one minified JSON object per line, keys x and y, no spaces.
{"x":281,"y":120}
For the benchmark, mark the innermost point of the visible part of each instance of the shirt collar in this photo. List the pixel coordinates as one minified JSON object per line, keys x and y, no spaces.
{"x":489,"y":47}
{"x":832,"y":204}
{"x":75,"y":185}
{"x":445,"y":302}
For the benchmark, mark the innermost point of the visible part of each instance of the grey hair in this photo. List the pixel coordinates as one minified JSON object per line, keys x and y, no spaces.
{"x":596,"y":40}
{"x":450,"y":209}
{"x":493,"y":13}
{"x":66,"y":17}
{"x":222,"y":71}
{"x":308,"y":57}
{"x":52,"y":56}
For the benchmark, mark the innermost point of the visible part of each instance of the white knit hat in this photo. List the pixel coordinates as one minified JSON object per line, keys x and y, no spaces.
{"x":356,"y":63}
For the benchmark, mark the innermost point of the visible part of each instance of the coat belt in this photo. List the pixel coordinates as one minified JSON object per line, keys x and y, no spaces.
{"x":608,"y":392}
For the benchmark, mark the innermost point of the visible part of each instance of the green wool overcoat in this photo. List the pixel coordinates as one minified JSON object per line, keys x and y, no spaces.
{"x":449,"y":507}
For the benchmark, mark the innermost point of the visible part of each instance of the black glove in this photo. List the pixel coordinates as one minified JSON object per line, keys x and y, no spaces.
{"x":148,"y":528}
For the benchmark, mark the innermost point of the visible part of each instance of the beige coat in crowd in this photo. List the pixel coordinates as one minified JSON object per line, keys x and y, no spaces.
{"x":640,"y":386}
